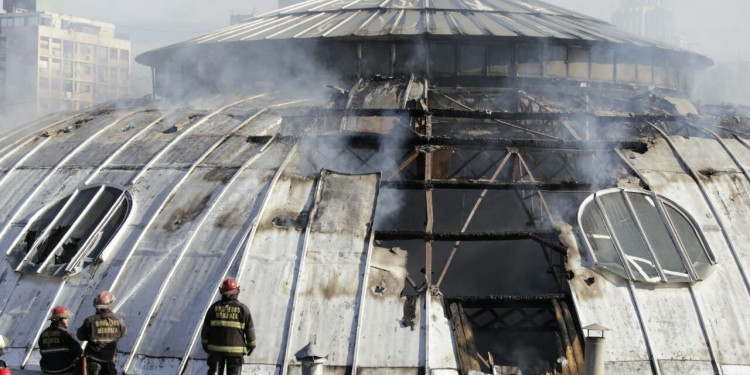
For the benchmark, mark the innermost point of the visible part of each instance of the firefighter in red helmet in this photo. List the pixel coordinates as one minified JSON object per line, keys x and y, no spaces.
{"x":102,"y":331}
{"x":4,"y":343}
{"x":228,"y":332}
{"x":59,"y":349}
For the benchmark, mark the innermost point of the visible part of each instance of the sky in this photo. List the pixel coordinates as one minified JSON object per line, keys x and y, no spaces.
{"x":716,"y":29}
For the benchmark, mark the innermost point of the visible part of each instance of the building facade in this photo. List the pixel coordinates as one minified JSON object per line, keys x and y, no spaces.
{"x":648,"y":18}
{"x":52,"y":62}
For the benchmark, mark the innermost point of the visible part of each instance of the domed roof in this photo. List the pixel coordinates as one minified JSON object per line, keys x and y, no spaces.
{"x":372,"y":18}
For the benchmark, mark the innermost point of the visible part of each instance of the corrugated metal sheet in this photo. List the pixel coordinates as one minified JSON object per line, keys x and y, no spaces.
{"x":214,"y":194}
{"x":337,"y":18}
{"x":684,"y":326}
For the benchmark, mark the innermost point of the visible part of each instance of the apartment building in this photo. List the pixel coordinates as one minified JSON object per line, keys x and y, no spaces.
{"x":51,"y":62}
{"x":649,"y":18}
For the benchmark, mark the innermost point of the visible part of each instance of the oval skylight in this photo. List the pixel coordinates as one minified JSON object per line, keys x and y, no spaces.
{"x":643,"y":237}
{"x":70,"y":234}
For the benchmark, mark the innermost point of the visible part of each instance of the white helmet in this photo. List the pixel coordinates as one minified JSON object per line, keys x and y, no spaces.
{"x":4,"y":342}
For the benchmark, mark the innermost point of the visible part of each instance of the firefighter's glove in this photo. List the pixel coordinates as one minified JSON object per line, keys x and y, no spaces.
{"x":250,"y":348}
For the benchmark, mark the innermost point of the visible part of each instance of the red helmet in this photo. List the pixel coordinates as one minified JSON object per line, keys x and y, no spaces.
{"x":60,"y":312}
{"x":229,"y":286}
{"x":103,"y":299}
{"x":5,"y":371}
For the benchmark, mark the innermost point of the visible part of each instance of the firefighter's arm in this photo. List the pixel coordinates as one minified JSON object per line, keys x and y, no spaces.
{"x":83,"y":332}
{"x":249,"y":332}
{"x":73,"y":345}
{"x":123,"y":328}
{"x":205,"y":332}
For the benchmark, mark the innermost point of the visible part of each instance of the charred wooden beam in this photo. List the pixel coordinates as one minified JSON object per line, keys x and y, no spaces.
{"x":411,"y":140}
{"x":458,"y":236}
{"x":505,"y":300}
{"x":474,"y":114}
{"x":489,"y":185}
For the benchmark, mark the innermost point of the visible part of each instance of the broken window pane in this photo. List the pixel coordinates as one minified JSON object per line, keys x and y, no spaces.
{"x":599,"y":239}
{"x":692,"y":243}
{"x":71,"y":233}
{"x":655,"y":234}
{"x":661,"y":242}
{"x":627,"y":234}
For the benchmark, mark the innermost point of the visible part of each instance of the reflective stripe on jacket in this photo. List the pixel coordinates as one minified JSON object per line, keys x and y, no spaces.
{"x":102,"y":331}
{"x":228,"y":327}
{"x":59,"y":349}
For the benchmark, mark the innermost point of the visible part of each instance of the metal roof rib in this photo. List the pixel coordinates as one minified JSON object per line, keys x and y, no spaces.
{"x":346,"y":6}
{"x":187,"y":245}
{"x":57,"y":167}
{"x":303,"y":23}
{"x":495,"y":27}
{"x":528,"y":18}
{"x":367,"y":22}
{"x":88,"y":180}
{"x":338,"y":25}
{"x":555,"y":24}
{"x":397,"y":22}
{"x":317,"y":24}
{"x":581,"y":32}
{"x":233,"y":36}
{"x":260,"y":32}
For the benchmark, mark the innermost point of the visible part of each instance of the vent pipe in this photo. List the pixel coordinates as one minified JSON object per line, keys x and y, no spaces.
{"x":594,"y":357}
{"x":312,"y":359}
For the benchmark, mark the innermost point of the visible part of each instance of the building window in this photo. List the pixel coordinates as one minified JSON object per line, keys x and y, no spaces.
{"x":43,"y":65}
{"x":70,"y":234}
{"x":578,"y":63}
{"x":442,"y":59}
{"x":555,"y":61}
{"x":499,"y":60}
{"x":529,"y":60}
{"x":471,"y":59}
{"x":67,"y":69}
{"x":45,"y":21}
{"x":68,"y":49}
{"x":643,"y":237}
{"x":376,"y":59}
{"x":101,"y":55}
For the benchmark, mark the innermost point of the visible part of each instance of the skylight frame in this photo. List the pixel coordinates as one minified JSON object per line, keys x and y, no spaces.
{"x":121,"y":199}
{"x":660,"y":204}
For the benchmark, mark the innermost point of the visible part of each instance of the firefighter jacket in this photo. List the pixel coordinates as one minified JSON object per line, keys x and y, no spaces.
{"x":59,"y":349}
{"x":228,"y":328}
{"x":102,"y":331}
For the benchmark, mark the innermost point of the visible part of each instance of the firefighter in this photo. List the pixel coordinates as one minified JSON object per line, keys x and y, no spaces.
{"x":102,"y":331}
{"x":60,"y":350}
{"x":3,"y":344}
{"x":228,"y":332}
